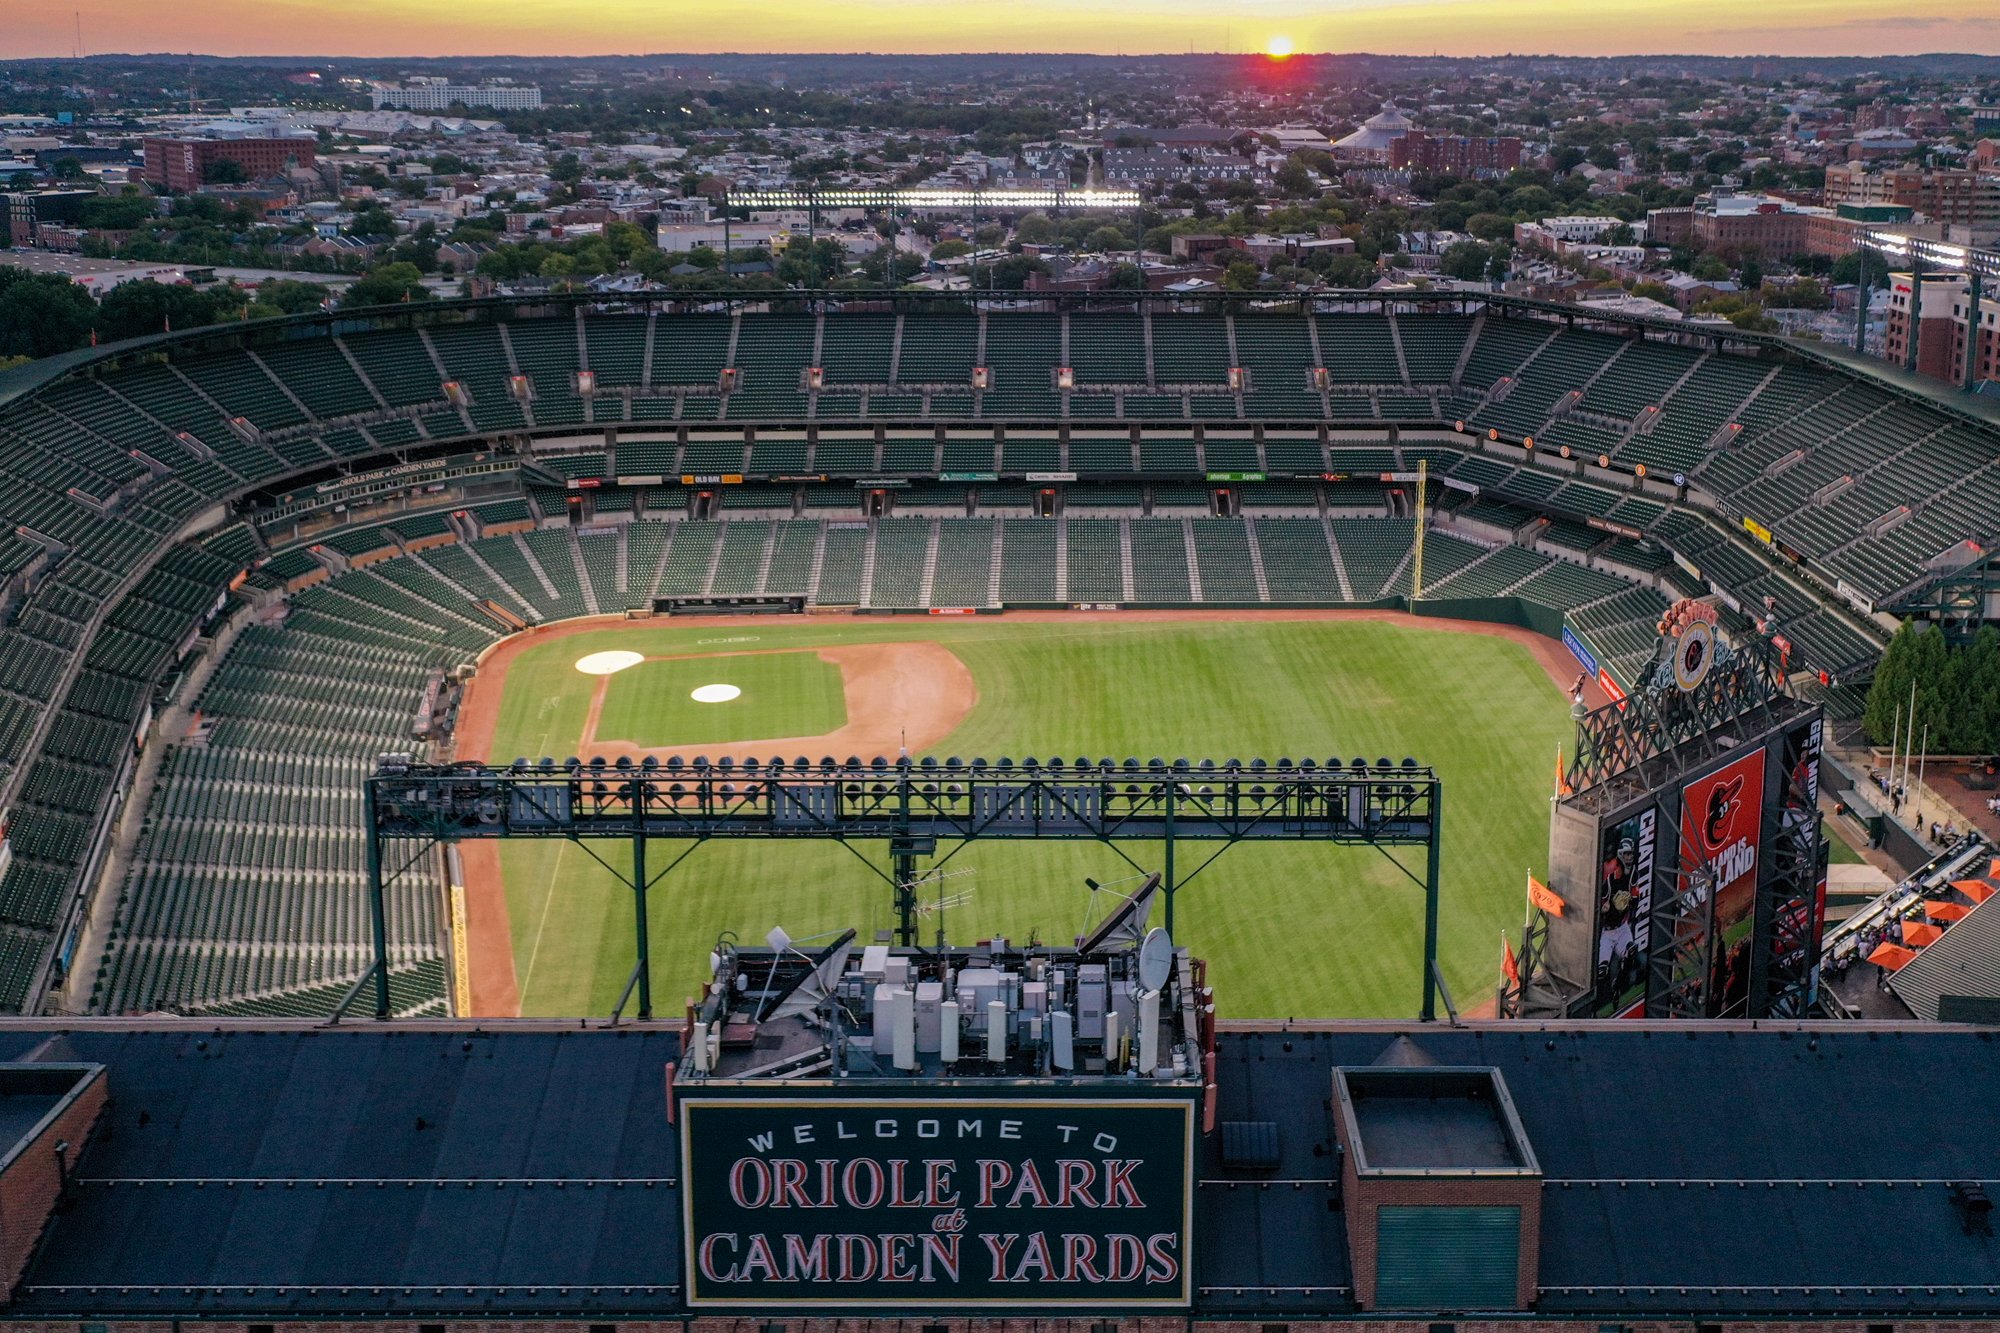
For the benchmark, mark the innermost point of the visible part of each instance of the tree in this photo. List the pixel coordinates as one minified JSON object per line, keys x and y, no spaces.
{"x":224,"y":171}
{"x":374,"y":220}
{"x":386,"y":286}
{"x":1847,"y":270}
{"x":1622,"y":234}
{"x":41,"y":314}
{"x":950,"y":249}
{"x":1709,"y":268}
{"x":1464,"y":260}
{"x":1350,"y":272}
{"x":291,"y":298}
{"x":135,"y":309}
{"x":124,"y":213}
{"x":1294,"y":178}
{"x":1241,"y":275}
{"x":1107,"y":239}
{"x":1126,"y":278}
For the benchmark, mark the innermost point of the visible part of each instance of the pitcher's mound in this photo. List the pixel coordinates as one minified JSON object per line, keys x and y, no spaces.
{"x":605,"y":664}
{"x":714,"y":694}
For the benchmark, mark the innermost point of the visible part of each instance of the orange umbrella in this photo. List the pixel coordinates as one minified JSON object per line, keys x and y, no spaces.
{"x":1947,"y":911}
{"x":1891,"y":956}
{"x":1917,"y":935}
{"x":1974,"y":889}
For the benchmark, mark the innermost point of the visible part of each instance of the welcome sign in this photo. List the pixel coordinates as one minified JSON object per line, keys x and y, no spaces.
{"x":937,"y":1202}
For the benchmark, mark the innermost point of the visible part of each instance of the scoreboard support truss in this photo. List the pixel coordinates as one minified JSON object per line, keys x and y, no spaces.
{"x":910,"y":805}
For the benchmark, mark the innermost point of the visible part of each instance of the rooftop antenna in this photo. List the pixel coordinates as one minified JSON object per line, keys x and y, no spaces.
{"x":945,"y":900}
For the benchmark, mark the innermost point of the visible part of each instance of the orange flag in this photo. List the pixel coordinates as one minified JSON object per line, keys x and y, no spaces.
{"x":1544,"y":897}
{"x":1562,"y":782}
{"x":1508,"y":967}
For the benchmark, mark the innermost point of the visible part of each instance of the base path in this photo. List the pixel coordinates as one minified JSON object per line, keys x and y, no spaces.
{"x":917,"y":685}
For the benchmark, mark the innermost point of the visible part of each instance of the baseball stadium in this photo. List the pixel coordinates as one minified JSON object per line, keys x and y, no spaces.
{"x":1144,"y":797}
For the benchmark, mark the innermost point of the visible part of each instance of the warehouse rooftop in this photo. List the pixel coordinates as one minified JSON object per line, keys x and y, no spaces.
{"x":526,"y":1170}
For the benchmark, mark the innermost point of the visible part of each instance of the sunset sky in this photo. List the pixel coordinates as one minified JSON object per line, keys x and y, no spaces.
{"x":1451,"y":27}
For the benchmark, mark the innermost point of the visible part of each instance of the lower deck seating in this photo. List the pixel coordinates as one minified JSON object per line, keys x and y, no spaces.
{"x":247,"y":890}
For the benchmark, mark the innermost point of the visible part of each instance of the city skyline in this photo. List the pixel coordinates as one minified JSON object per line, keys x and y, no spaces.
{"x":394,"y":28}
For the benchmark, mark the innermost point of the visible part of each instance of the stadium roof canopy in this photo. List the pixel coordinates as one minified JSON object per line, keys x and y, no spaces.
{"x":527,"y":1170}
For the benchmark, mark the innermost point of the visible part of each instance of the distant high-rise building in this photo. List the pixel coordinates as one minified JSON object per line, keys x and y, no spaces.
{"x":442,"y":95}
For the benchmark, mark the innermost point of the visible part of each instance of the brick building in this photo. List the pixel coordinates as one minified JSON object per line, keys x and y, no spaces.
{"x":1945,"y":320}
{"x":1744,"y":222}
{"x":1956,"y":198}
{"x":25,"y":213}
{"x":1454,"y":154}
{"x":181,"y":163}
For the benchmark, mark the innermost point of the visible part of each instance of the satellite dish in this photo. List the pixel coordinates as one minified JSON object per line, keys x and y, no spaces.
{"x":812,"y":988}
{"x":1126,"y":922}
{"x":1156,"y":959}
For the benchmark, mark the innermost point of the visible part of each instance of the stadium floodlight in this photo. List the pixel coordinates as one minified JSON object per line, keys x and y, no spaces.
{"x":1984,"y":264}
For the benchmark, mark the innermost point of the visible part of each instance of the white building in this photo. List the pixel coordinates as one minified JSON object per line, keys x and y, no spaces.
{"x":425,"y":94}
{"x":1577,"y":228}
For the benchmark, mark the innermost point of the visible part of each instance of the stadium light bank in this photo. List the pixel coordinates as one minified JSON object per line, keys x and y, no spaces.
{"x":921,"y":198}
{"x":1936,"y":255}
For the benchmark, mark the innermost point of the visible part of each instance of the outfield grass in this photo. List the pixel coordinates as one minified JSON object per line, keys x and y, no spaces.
{"x":1839,"y":851}
{"x":1290,"y":930}
{"x":784,"y":694}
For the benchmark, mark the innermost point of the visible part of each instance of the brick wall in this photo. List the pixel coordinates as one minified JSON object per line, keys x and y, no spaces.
{"x":32,"y":1182}
{"x":1362,"y":1195}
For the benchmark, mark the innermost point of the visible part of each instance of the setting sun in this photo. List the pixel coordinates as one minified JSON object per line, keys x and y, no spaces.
{"x":1278,"y":48}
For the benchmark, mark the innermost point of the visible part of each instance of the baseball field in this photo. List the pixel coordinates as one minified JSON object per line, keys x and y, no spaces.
{"x":1290,"y":930}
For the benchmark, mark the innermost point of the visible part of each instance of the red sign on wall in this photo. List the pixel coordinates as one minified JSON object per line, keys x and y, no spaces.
{"x":1721,"y":819}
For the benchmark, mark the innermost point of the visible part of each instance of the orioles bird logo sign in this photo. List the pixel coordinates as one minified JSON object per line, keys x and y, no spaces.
{"x":1723,"y":799}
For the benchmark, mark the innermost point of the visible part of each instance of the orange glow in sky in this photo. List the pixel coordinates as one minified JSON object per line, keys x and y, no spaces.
{"x":1128,"y":27}
{"x":1278,"y":48}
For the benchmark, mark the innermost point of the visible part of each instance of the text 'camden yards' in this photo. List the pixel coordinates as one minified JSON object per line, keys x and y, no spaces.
{"x":946,"y":1201}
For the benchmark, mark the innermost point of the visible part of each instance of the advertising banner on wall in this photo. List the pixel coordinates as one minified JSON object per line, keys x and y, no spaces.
{"x":939,"y":1202}
{"x":1721,"y":818}
{"x":1795,"y":898}
{"x":1627,"y":855}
